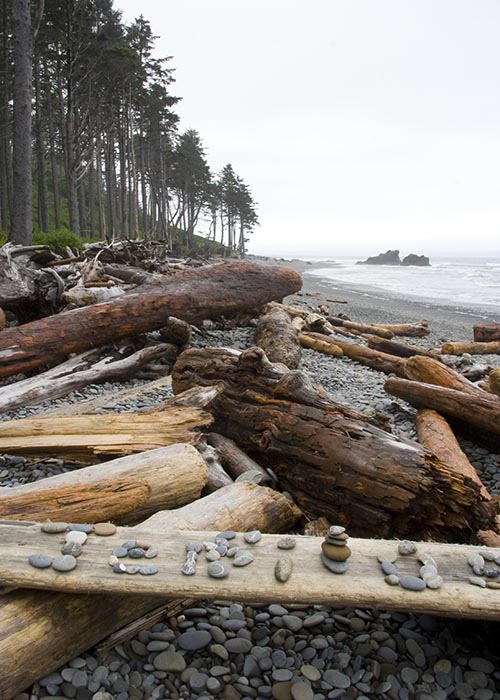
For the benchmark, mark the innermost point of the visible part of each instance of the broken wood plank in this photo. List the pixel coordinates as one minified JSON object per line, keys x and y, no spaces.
{"x":193,"y":295}
{"x":124,"y":490}
{"x":362,"y":586}
{"x":40,"y":630}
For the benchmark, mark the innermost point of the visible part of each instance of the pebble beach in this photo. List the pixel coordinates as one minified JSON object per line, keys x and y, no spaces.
{"x":221,"y":649}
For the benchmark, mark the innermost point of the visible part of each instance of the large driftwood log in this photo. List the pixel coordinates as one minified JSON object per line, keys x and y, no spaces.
{"x":332,"y":460}
{"x":486,"y":332}
{"x":430,"y":371}
{"x":39,"y":631}
{"x":235,"y":461}
{"x":193,"y":295}
{"x":276,"y":335}
{"x":410,"y":330}
{"x":459,"y":348}
{"x":361,"y":327}
{"x":394,"y":347}
{"x":381,"y":361}
{"x":479,"y":412}
{"x":76,"y":373}
{"x":435,"y":434}
{"x":124,"y":490}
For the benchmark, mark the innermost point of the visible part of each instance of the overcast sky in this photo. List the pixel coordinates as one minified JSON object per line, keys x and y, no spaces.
{"x":359,"y":125}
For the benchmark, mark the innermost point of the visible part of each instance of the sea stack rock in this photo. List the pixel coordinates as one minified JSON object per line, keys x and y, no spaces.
{"x":418,"y":260}
{"x":390,"y":257}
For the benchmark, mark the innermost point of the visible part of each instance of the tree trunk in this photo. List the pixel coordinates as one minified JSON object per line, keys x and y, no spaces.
{"x":380,"y":361}
{"x":278,"y":338}
{"x":124,"y":490}
{"x":206,"y":292}
{"x":430,"y":371}
{"x":393,"y":347}
{"x":39,"y":631}
{"x":486,"y":332}
{"x":43,"y":208}
{"x":329,"y":457}
{"x":22,"y":216}
{"x":479,"y":412}
{"x":490,"y":348}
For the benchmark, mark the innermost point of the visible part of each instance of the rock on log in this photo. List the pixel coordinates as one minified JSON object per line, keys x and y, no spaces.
{"x":329,"y":457}
{"x":40,"y":631}
{"x":486,"y":332}
{"x":276,"y":335}
{"x":192,"y":295}
{"x":123,"y":490}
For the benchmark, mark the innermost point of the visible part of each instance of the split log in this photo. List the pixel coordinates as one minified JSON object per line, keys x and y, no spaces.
{"x":430,"y":371}
{"x":435,"y":434}
{"x":329,"y":457}
{"x":123,"y":490}
{"x":459,"y":348}
{"x":235,"y":461}
{"x":486,"y":332}
{"x":479,"y":412}
{"x":193,"y":295}
{"x":381,"y":361}
{"x":394,"y":347}
{"x":76,"y":373}
{"x":410,"y":330}
{"x":361,"y":327}
{"x":39,"y":631}
{"x":278,"y":338}
{"x":113,"y":434}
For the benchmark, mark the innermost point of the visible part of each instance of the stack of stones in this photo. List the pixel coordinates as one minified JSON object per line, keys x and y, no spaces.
{"x":334,"y":550}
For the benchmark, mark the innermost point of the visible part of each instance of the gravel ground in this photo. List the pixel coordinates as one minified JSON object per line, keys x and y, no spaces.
{"x":236,"y":652}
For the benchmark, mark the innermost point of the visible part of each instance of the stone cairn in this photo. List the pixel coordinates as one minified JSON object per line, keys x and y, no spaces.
{"x":334,"y":550}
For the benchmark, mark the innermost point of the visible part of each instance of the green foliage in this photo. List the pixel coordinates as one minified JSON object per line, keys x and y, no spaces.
{"x":58,"y":241}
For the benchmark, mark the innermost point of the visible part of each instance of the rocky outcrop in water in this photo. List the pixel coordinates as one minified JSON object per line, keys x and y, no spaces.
{"x":418,"y":260}
{"x":391,"y":257}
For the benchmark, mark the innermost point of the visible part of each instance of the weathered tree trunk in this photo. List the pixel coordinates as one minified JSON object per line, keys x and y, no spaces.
{"x":381,"y":361}
{"x":124,"y":490}
{"x":486,"y":332}
{"x":235,"y":461}
{"x":86,"y":296}
{"x":435,"y":434}
{"x":411,"y":330}
{"x":430,"y":371}
{"x":458,"y":348}
{"x":329,"y":457}
{"x":324,"y":344}
{"x":361,"y":327}
{"x":479,"y":412}
{"x":394,"y":347}
{"x":193,"y":295}
{"x":74,"y":374}
{"x":278,"y":338}
{"x":39,"y":631}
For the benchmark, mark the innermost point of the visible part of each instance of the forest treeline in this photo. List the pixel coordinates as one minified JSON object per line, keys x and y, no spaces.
{"x":108,"y":160}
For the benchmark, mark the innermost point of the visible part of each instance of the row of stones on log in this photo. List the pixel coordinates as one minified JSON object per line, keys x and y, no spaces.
{"x":333,"y":461}
{"x":193,"y":295}
{"x":27,"y":652}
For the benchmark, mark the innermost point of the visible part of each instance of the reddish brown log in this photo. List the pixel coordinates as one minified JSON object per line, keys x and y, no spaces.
{"x":430,"y":371}
{"x":394,"y":347}
{"x":486,"y":332}
{"x":193,"y":295}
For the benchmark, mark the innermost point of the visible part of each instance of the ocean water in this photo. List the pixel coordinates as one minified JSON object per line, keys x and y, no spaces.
{"x":461,"y":283}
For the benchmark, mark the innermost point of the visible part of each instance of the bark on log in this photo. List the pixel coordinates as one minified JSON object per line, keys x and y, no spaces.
{"x":123,"y":490}
{"x":430,"y":371}
{"x":435,"y":434}
{"x":235,"y":461}
{"x":329,"y":457}
{"x":394,"y":347}
{"x":480,"y":412}
{"x":458,"y":348}
{"x":486,"y":332}
{"x":362,"y":327}
{"x":114,"y":434}
{"x":278,"y":338}
{"x":381,"y":361}
{"x":410,"y":330}
{"x":39,"y":631}
{"x":206,"y":292}
{"x":76,"y":373}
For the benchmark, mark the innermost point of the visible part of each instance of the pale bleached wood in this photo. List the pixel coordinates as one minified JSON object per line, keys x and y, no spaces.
{"x":170,"y":477}
{"x":362,"y":586}
{"x":459,"y":348}
{"x":40,"y":630}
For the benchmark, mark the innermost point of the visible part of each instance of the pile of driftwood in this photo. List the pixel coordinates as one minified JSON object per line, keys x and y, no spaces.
{"x":240,"y":424}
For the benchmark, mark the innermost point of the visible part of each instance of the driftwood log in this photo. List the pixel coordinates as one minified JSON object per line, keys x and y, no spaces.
{"x":473,"y":414}
{"x":193,"y":295}
{"x":431,"y":371}
{"x":410,"y":330}
{"x":486,"y":332}
{"x":381,"y":361}
{"x":329,"y":457}
{"x":394,"y":347}
{"x":234,"y":460}
{"x":361,"y":327}
{"x":123,"y":490}
{"x":459,"y":348}
{"x":276,"y":335}
{"x":39,"y":631}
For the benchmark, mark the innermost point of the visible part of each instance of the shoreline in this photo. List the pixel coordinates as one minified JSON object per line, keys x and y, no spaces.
{"x":372,"y":305}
